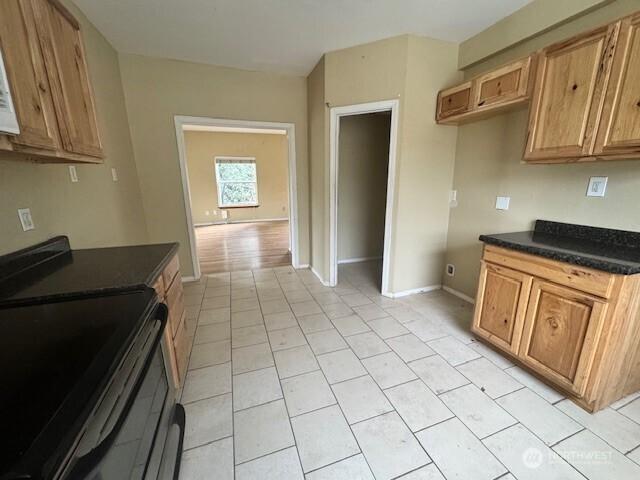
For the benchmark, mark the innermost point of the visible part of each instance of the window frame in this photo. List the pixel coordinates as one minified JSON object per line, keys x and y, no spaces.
{"x":232,"y":159}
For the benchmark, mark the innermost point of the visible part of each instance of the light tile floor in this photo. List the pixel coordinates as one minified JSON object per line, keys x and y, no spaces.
{"x":289,"y":379}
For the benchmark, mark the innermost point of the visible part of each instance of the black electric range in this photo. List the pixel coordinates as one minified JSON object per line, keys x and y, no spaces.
{"x":85,"y":387}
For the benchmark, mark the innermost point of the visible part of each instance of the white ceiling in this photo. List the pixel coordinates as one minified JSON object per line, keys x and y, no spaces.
{"x":286,"y":36}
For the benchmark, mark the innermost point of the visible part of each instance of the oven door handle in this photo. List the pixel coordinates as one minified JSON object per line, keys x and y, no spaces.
{"x":88,"y":462}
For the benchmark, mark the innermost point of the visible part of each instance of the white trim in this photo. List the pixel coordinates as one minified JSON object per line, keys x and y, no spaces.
{"x":413,"y":291}
{"x":315,"y":272}
{"x":303,"y":267}
{"x":207,"y":128}
{"x":181,"y":120}
{"x":189,"y":279}
{"x":361,"y":109}
{"x":357,"y":260}
{"x":459,"y":294}
{"x":208,"y":224}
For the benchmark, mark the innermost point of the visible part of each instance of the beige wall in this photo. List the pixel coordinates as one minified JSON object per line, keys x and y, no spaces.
{"x":411,"y":69}
{"x":95,"y":211}
{"x":362,"y":185}
{"x":156,"y":90}
{"x":488,"y":164}
{"x":318,"y":168}
{"x":270,"y":152}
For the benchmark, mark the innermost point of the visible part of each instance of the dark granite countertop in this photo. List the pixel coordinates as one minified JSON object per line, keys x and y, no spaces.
{"x":52,"y":270}
{"x":613,"y":251}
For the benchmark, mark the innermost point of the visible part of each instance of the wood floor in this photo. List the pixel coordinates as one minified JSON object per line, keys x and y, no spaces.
{"x":243,"y":246}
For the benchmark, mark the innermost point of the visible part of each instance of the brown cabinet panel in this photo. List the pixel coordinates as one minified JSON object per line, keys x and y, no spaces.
{"x":175,"y":303}
{"x":454,"y":101}
{"x":65,"y":59}
{"x":619,"y":131}
{"x":569,"y":92}
{"x":27,"y":76}
{"x":561,"y":330}
{"x":503,"y":85}
{"x":501,"y":306}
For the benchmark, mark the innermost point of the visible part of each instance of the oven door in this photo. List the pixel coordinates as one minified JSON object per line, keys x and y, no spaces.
{"x":126,"y":437}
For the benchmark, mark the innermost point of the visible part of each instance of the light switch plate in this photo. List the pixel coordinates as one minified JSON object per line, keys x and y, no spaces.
{"x":453,"y":198}
{"x":597,"y":186}
{"x":25,"y":219}
{"x":114,"y":174}
{"x":502,"y":203}
{"x":73,"y":174}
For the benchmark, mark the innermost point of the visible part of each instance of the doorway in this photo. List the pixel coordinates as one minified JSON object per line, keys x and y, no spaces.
{"x":363,"y":143}
{"x":240,"y":193}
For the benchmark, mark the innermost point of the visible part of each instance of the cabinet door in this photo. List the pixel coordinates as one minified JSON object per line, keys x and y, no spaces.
{"x":501,"y":306}
{"x":503,"y":85}
{"x":619,"y":131}
{"x":64,"y":56}
{"x":568,"y":95}
{"x":561,"y":331}
{"x":27,"y":76}
{"x":454,"y":101}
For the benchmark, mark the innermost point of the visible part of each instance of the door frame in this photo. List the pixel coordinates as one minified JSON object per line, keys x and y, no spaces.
{"x":336,"y":113}
{"x":180,"y":121}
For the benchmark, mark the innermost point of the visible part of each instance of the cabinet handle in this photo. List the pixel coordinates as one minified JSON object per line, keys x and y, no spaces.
{"x":481,"y":103}
{"x":42,"y":87}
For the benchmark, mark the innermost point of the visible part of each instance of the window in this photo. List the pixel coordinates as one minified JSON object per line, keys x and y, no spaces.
{"x":237,"y":182}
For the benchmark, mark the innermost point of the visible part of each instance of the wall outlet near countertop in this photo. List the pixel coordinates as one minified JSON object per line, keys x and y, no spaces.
{"x":73,"y":174}
{"x":25,"y":219}
{"x":114,"y":174}
{"x":451,"y":269}
{"x":597,"y":186}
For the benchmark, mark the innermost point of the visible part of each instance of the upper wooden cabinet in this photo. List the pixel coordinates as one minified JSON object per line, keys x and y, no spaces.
{"x":569,"y":94}
{"x":586,"y":101}
{"x":492,"y":92}
{"x":49,"y":81}
{"x":619,"y":130}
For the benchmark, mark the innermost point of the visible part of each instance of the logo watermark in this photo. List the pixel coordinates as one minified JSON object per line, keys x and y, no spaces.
{"x":534,"y":458}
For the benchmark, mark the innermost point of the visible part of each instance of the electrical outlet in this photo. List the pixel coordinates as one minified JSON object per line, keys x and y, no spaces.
{"x":73,"y":174}
{"x":451,"y":269}
{"x":25,"y":219}
{"x":502,"y":203}
{"x":224,"y":214}
{"x":597,"y":186}
{"x":453,"y":198}
{"x":114,"y":174}
{"x":207,"y":213}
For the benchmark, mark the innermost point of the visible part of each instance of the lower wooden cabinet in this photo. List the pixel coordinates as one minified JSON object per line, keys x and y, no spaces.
{"x":502,"y":302}
{"x":576,"y":328}
{"x":168,"y":286}
{"x":561,"y":331}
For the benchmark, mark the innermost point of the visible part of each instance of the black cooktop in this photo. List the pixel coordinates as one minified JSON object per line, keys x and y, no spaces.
{"x":55,"y":359}
{"x":613,"y":251}
{"x":51,"y":270}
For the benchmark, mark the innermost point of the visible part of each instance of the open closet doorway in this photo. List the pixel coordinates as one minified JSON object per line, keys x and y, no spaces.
{"x":240,"y":198}
{"x":363,"y":145}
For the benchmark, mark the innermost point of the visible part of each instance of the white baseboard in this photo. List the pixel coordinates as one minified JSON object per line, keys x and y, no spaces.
{"x":302,"y":267}
{"x":189,"y":279}
{"x":459,"y":294}
{"x":315,"y":272}
{"x":413,"y":291}
{"x":208,"y":224}
{"x":358,"y":260}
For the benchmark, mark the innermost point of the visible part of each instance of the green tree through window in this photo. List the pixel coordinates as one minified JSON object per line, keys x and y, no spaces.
{"x":237,"y":181}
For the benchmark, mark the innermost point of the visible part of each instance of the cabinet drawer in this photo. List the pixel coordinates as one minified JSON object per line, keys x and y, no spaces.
{"x":587,"y":280}
{"x":170,"y":271}
{"x":175,"y":303}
